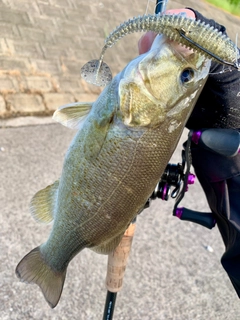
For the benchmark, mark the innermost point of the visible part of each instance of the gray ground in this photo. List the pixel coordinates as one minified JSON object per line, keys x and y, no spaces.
{"x":170,"y":275}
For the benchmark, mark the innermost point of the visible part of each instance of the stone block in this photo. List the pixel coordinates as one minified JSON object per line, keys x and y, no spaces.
{"x":33,"y":34}
{"x":30,"y":7}
{"x":2,"y":106}
{"x":8,"y":84}
{"x":14,"y":16}
{"x":69,"y":84}
{"x":43,"y":23}
{"x":85,"y":97}
{"x":60,"y":3}
{"x":55,"y":100}
{"x":25,"y":48}
{"x":51,"y":11}
{"x":25,"y":103}
{"x":69,"y":42}
{"x":13,"y":64}
{"x":36,"y":84}
{"x":4,"y":50}
{"x":54,"y":52}
{"x":48,"y":66}
{"x":69,"y":28}
{"x":72,"y":67}
{"x":9,"y":30}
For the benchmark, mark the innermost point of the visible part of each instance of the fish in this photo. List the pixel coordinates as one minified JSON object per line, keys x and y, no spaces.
{"x":194,"y":34}
{"x":123,"y":143}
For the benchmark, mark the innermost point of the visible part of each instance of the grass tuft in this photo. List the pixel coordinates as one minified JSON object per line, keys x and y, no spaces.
{"x":232,"y":6}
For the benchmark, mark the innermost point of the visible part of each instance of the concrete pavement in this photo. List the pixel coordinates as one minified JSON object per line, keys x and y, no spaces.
{"x":170,"y":276}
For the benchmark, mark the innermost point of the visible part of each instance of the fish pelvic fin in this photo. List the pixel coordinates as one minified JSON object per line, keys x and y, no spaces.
{"x":33,"y":269}
{"x":73,"y":115}
{"x":43,"y":203}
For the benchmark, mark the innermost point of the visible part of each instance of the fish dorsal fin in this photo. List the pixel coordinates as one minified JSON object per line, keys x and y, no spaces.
{"x":43,"y":203}
{"x":72,"y":115}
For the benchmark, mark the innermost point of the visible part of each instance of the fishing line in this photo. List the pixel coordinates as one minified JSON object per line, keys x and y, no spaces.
{"x":148,"y":2}
{"x":157,"y":6}
{"x":237,"y":52}
{"x":224,"y":70}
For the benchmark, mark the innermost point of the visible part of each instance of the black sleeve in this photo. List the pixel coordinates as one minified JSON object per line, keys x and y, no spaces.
{"x":219,"y":102}
{"x":211,"y":22}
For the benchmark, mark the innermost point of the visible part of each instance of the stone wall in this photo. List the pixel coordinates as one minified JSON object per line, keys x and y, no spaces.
{"x":43,"y":45}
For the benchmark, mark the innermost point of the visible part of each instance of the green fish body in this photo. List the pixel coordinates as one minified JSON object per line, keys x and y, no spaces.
{"x":123,"y":144}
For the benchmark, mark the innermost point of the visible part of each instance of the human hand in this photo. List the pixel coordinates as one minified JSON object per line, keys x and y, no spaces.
{"x":145,"y":42}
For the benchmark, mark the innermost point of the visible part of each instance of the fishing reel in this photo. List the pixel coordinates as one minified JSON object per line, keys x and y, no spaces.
{"x":172,"y":178}
{"x":178,"y":177}
{"x":225,"y":142}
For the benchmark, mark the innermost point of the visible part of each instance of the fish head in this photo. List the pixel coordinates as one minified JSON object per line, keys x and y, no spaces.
{"x":161,"y":83}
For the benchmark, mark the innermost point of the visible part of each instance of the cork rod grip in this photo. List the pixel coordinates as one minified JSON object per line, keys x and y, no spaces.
{"x":117,"y":261}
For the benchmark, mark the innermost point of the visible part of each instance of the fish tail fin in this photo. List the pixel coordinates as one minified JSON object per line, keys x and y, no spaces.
{"x":33,"y":269}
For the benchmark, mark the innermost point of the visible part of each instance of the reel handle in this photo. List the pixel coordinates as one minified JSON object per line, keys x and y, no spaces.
{"x":222,"y":141}
{"x":205,"y":219}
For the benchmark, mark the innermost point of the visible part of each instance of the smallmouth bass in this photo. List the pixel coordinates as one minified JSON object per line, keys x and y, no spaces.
{"x":123,"y":144}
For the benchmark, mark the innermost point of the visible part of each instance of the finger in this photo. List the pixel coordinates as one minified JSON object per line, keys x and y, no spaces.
{"x":187,"y":12}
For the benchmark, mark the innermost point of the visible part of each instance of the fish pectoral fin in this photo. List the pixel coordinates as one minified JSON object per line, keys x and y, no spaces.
{"x":108,"y":246}
{"x":73,"y":115}
{"x":33,"y":269}
{"x":43,"y":203}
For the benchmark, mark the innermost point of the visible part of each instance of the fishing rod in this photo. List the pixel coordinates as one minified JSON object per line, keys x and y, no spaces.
{"x":117,"y":260}
{"x":160,"y":6}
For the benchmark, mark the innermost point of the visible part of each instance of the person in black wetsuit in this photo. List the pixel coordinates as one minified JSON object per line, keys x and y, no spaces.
{"x":218,"y":106}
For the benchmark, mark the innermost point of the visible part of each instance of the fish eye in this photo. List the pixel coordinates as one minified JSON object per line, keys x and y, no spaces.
{"x":187,"y":75}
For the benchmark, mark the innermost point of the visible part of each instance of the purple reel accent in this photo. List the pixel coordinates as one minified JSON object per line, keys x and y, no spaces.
{"x":191,"y":178}
{"x":179,"y":212}
{"x":196,"y":136}
{"x":164,"y":192}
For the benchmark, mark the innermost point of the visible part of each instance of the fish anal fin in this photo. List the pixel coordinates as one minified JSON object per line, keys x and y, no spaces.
{"x":43,"y":203}
{"x":33,"y":269}
{"x":108,"y":246}
{"x":72,"y":115}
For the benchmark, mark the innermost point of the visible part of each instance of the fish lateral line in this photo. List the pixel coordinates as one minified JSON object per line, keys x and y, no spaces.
{"x":182,"y":33}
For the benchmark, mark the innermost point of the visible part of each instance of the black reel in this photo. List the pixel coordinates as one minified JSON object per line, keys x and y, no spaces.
{"x":173,"y":176}
{"x":179,"y":177}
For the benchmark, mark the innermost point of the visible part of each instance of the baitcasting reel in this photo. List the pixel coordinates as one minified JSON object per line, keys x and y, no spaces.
{"x":225,"y":142}
{"x":173,"y":176}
